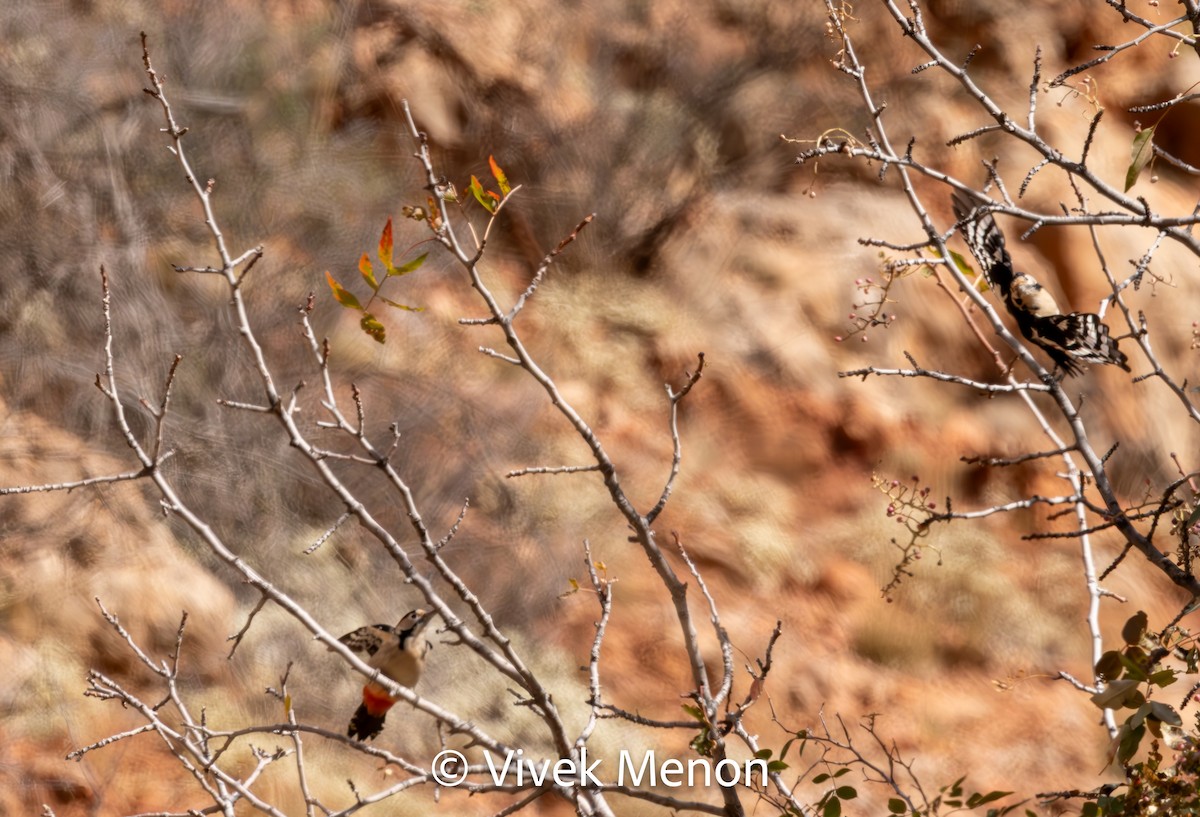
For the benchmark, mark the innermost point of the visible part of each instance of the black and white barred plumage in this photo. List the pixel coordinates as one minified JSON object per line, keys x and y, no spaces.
{"x":1072,"y":339}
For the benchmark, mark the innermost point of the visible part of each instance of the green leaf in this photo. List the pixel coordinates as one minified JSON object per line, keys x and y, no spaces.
{"x":1134,"y":660}
{"x":1142,"y":152}
{"x":1165,"y":713}
{"x":343,"y":296}
{"x":1116,"y":694}
{"x":1109,"y":666}
{"x":1135,"y":628}
{"x":1129,"y":744}
{"x":976,"y":800}
{"x":897,"y":806}
{"x":963,"y":265}
{"x":819,"y":779}
{"x":776,"y":766}
{"x":833,"y":808}
{"x":411,"y":266}
{"x":371,"y":325}
{"x":846,"y":792}
{"x":763,"y":754}
{"x":501,"y":179}
{"x":398,"y":305}
{"x":485,"y":199}
{"x":368,"y":272}
{"x":1163,"y":678}
{"x":695,"y":712}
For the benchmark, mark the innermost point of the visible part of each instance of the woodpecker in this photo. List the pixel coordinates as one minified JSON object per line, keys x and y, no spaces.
{"x":397,"y":652}
{"x":1070,"y":340}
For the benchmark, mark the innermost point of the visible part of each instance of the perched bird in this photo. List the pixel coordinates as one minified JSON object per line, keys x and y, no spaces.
{"x":397,"y":652}
{"x":1072,"y":339}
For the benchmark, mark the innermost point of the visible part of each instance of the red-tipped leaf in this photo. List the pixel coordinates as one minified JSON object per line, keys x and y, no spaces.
{"x":385,"y":245}
{"x":368,"y":272}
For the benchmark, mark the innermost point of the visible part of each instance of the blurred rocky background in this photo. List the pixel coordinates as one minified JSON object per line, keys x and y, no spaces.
{"x":665,"y":120}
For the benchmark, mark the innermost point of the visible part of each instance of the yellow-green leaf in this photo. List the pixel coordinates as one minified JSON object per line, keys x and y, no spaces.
{"x":368,"y":272}
{"x":343,"y":296}
{"x":1142,"y":152}
{"x":963,"y":266}
{"x":501,"y":179}
{"x":385,"y":246}
{"x":966,"y":269}
{"x":371,"y":325}
{"x":405,"y":269}
{"x":484,"y":198}
{"x":406,"y":307}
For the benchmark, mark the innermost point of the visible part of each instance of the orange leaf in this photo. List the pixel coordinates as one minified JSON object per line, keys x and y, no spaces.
{"x":501,"y":179}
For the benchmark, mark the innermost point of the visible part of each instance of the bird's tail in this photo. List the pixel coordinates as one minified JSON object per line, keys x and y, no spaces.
{"x":364,"y":725}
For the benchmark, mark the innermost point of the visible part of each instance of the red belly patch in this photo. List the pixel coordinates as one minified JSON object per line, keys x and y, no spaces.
{"x":377,"y":701}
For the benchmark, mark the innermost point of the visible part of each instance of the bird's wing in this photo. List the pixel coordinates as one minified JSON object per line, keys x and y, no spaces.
{"x":1082,"y":336}
{"x":368,"y":640}
{"x":986,"y":243}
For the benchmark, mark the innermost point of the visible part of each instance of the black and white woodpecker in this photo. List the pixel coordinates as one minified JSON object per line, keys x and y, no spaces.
{"x":397,"y":652}
{"x":1072,"y":339}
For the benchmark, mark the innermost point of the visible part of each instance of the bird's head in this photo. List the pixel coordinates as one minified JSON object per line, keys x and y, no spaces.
{"x":414,"y":622}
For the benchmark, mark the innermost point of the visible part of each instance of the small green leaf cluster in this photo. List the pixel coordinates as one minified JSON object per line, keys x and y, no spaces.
{"x":950,"y":799}
{"x":705,"y":741}
{"x":1153,"y":786}
{"x":830,"y":804}
{"x":1131,"y":673}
